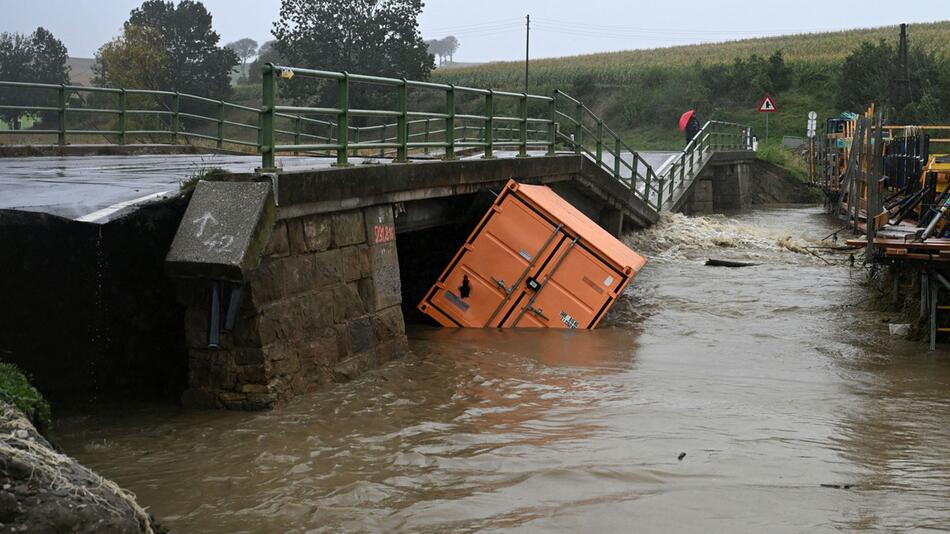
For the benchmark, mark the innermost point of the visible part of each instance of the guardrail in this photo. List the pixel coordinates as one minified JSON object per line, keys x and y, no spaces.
{"x":141,"y":115}
{"x":714,"y":136}
{"x":489,"y":121}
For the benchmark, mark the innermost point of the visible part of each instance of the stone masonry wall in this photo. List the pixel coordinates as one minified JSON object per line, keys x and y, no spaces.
{"x":323,"y":306}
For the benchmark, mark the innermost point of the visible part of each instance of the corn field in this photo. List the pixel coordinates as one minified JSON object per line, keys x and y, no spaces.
{"x":624,"y":67}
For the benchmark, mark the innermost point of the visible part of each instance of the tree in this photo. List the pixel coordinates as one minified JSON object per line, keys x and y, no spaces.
{"x":195,"y":63}
{"x":450,"y":44}
{"x":442,"y":48}
{"x":244,"y":48}
{"x":379,"y":37}
{"x":436,"y":47}
{"x":267,"y":53}
{"x":136,"y":59}
{"x":867,"y":75}
{"x":38,"y":58}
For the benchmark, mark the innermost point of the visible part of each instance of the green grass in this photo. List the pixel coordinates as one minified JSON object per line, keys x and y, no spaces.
{"x":211,"y":174}
{"x":15,"y":389}
{"x":786,"y":158}
{"x":26,"y":122}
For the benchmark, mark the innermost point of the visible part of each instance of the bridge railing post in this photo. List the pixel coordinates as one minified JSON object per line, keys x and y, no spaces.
{"x":552,"y":125}
{"x":123,"y":107}
{"x":343,"y":121}
{"x":450,"y":123}
{"x":219,"y":142}
{"x":659,"y":190}
{"x":61,"y":97}
{"x":176,"y":118}
{"x":402,"y":124}
{"x":600,"y":142}
{"x":382,"y":139}
{"x":297,"y":130}
{"x":633,"y":178}
{"x":523,"y":145}
{"x":489,"y":123}
{"x":617,"y":147}
{"x":425,"y":135}
{"x":578,"y":127}
{"x":267,"y":113}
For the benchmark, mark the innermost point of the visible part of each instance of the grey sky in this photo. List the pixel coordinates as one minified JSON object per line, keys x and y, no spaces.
{"x":494,"y":29}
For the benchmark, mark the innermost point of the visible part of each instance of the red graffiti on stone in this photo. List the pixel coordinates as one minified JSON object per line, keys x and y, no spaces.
{"x":384,"y":232}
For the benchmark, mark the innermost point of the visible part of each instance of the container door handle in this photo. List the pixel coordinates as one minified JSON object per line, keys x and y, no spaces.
{"x":547,"y":278}
{"x":523,"y":274}
{"x":538,"y":312}
{"x":501,"y":285}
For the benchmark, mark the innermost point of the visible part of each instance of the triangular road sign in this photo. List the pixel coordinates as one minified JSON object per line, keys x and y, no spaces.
{"x":767,"y":105}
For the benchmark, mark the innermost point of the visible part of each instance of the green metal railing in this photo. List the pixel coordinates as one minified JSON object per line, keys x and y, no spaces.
{"x":158,"y":114}
{"x":715,"y":136}
{"x":587,"y":134}
{"x":488,"y":122}
{"x":521,"y":128}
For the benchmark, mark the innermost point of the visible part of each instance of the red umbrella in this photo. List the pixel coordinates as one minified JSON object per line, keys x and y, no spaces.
{"x":684,"y":118}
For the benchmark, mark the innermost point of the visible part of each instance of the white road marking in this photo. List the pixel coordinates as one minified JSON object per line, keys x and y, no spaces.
{"x":105,"y":212}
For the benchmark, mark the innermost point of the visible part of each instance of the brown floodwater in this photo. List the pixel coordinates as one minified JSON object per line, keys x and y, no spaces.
{"x":776,"y":381}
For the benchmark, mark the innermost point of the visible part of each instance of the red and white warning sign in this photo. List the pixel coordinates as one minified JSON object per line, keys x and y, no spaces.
{"x":767,"y":105}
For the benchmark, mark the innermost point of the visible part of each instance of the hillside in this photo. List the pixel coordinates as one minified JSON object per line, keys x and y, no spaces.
{"x":642,"y":92}
{"x":80,"y":70}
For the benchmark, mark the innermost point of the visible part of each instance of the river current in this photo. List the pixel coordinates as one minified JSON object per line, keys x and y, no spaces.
{"x":760,"y":399}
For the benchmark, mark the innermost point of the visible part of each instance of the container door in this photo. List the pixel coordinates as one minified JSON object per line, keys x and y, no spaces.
{"x":573,"y":291}
{"x":475,"y":290}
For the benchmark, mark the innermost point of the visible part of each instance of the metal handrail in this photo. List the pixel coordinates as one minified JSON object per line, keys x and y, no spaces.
{"x":714,"y":136}
{"x":564,"y":121}
{"x":450,"y":118}
{"x":119,"y":109}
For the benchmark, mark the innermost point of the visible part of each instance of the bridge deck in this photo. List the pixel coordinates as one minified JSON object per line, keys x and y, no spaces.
{"x":100,"y":188}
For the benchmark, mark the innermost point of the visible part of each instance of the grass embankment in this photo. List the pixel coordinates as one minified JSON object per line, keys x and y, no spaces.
{"x":641,"y":93}
{"x":15,"y":388}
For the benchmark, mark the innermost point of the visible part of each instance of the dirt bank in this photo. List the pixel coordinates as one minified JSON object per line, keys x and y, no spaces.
{"x":42,"y":490}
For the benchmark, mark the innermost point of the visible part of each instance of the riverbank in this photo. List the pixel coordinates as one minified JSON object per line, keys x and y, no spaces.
{"x":41,"y":489}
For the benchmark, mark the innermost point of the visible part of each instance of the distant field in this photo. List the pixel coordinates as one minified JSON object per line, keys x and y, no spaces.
{"x":641,"y":93}
{"x":621,"y":67}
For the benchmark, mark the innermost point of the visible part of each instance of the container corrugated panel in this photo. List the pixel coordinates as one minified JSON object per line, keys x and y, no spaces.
{"x":534,"y":260}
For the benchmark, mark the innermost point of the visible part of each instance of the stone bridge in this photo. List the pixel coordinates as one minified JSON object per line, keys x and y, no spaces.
{"x":274,"y":278}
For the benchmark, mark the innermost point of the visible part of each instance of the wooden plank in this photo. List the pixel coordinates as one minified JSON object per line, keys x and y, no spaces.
{"x":930,"y":244}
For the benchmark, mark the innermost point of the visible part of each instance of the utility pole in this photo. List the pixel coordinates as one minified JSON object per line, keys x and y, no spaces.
{"x":903,"y":83}
{"x":527,"y":47}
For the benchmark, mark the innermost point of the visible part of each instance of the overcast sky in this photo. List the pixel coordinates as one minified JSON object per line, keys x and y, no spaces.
{"x":494,"y":29}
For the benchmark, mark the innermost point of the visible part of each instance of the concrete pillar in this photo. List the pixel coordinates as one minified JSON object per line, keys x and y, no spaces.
{"x":611,"y":219}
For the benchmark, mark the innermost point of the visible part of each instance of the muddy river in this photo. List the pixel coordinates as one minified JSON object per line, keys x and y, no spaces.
{"x":761,"y":399}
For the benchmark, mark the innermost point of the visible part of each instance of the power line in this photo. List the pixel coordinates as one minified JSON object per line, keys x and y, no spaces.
{"x":476,"y":25}
{"x":656,"y":30}
{"x":496,"y":31}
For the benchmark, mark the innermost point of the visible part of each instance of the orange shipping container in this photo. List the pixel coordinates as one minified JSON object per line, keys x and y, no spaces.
{"x":533,"y":261}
